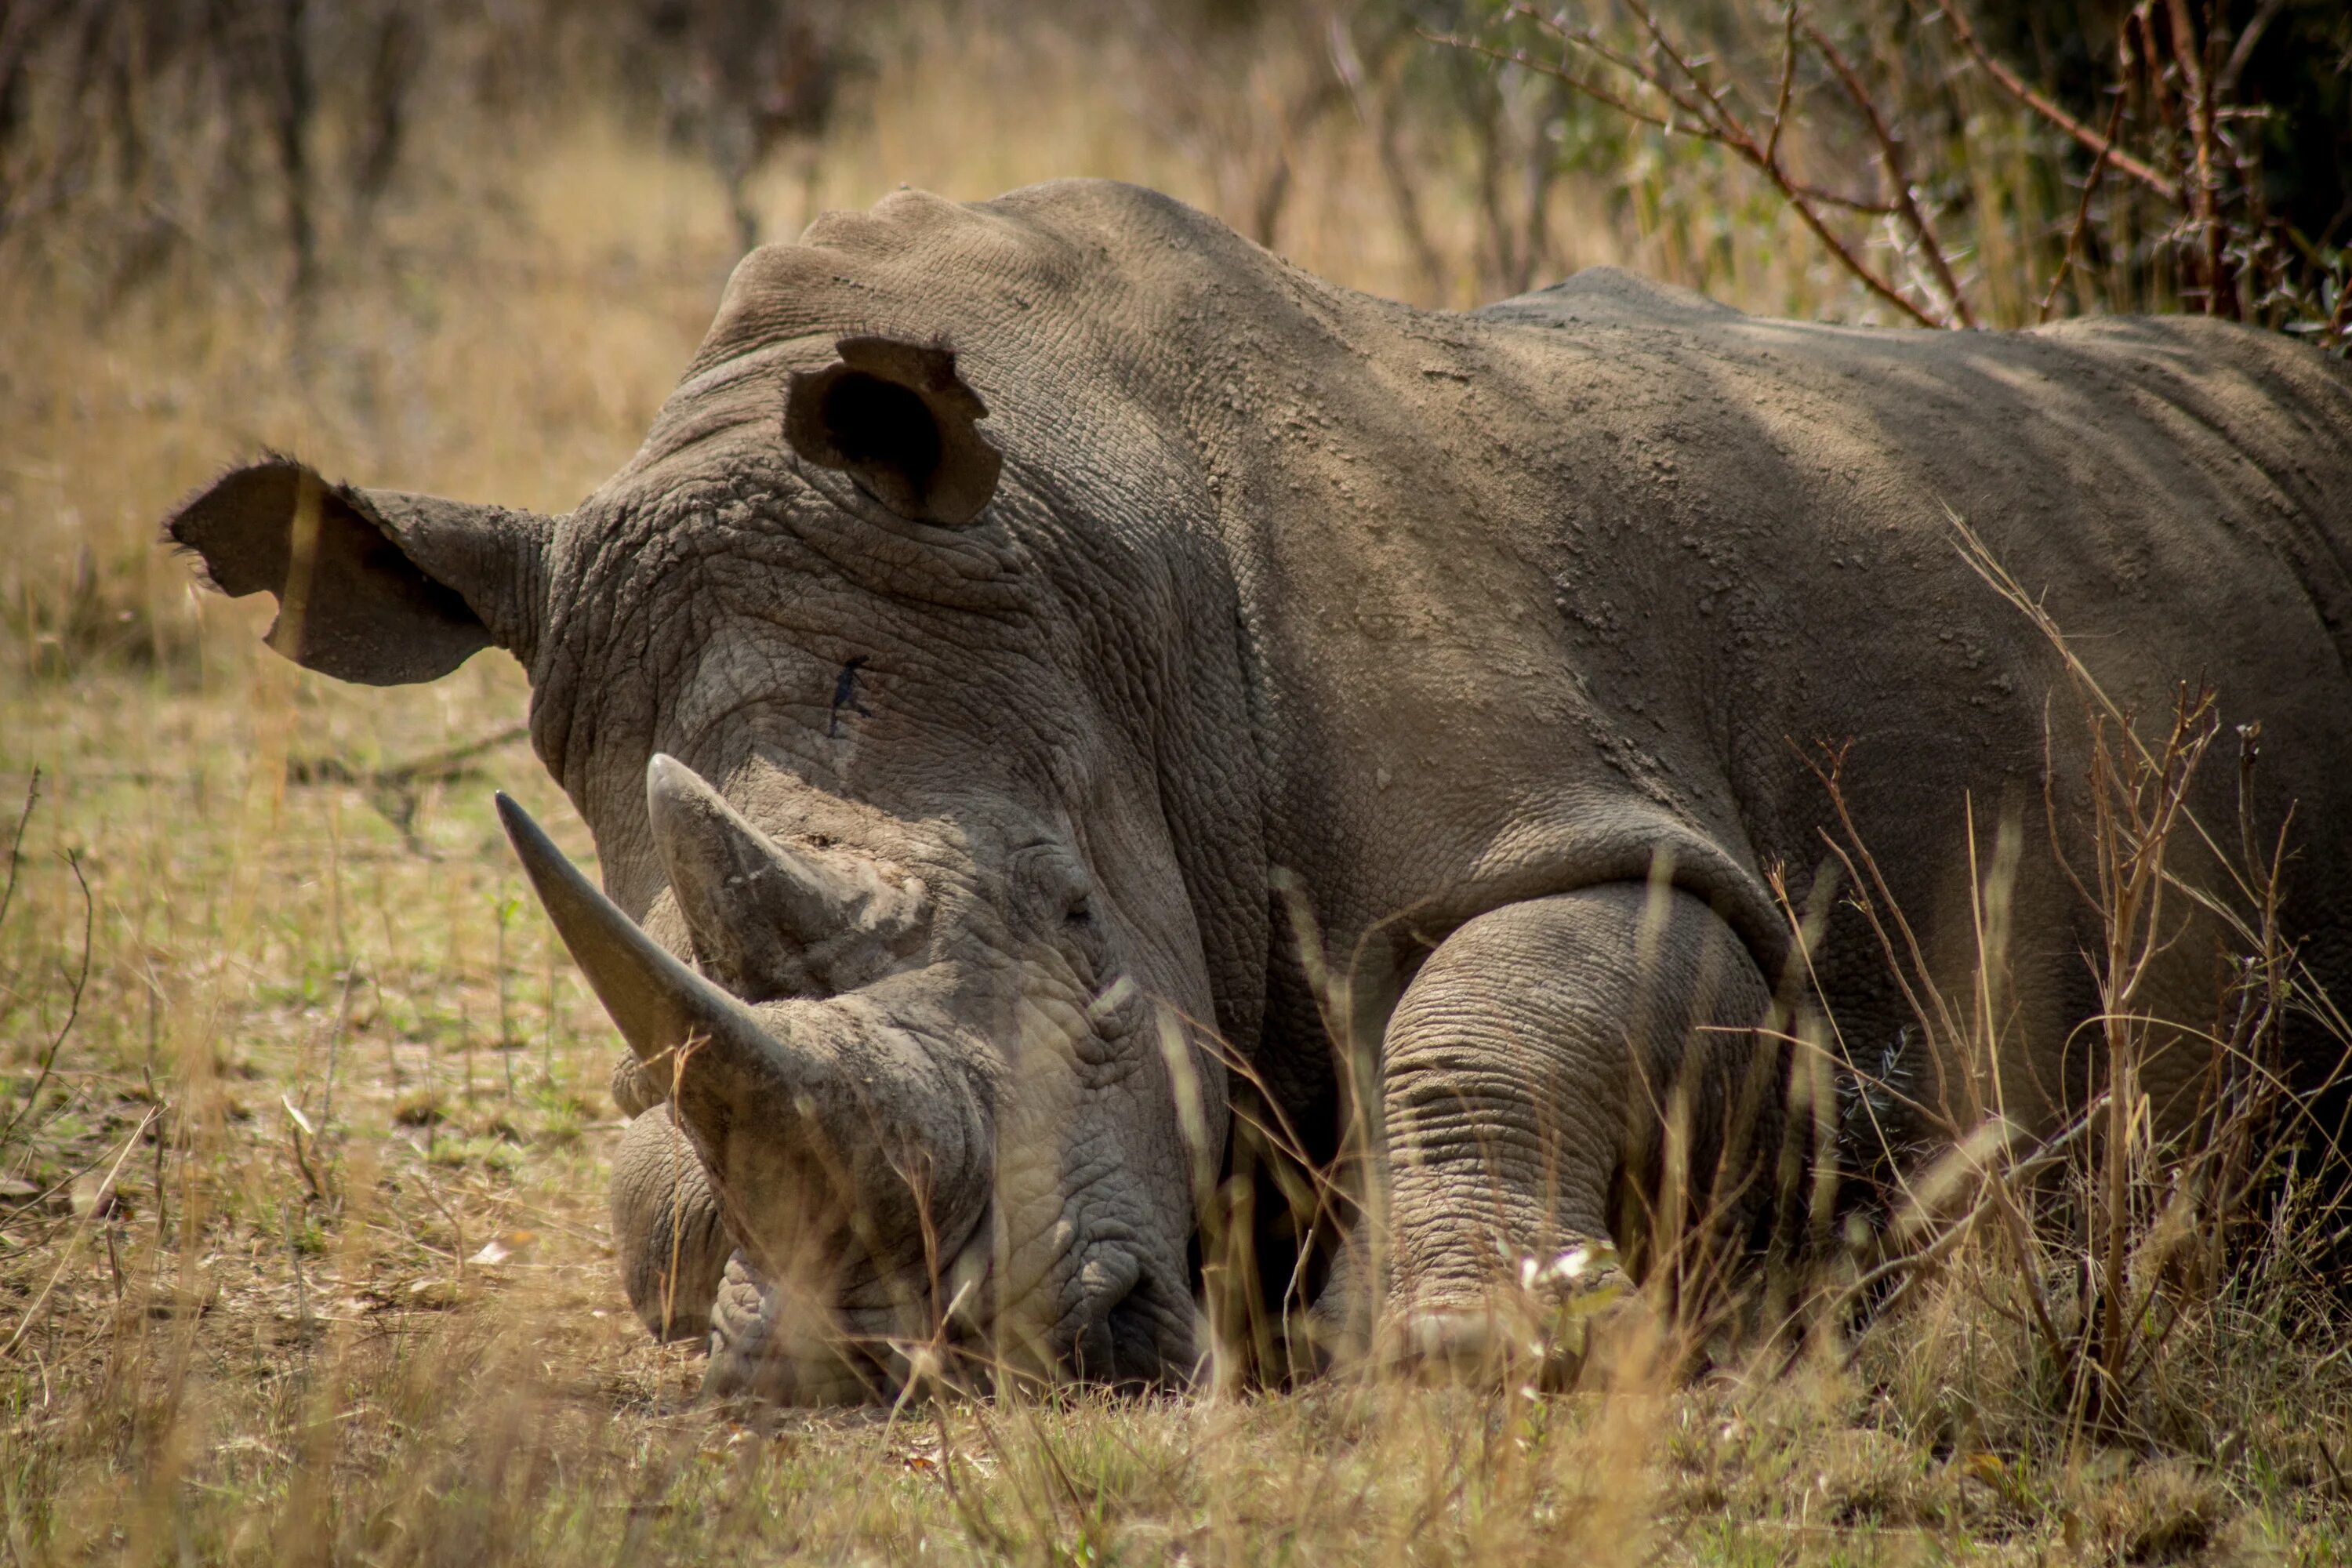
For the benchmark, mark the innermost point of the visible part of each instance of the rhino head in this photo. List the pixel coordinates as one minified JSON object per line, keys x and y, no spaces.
{"x":866,"y":702}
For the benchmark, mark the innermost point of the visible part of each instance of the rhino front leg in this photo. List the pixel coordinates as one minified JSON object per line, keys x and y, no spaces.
{"x":672,"y":1248}
{"x":1573,"y":1072}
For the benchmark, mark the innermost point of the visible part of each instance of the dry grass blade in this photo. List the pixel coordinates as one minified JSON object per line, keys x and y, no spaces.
{"x":72,"y":1249}
{"x":79,"y":987}
{"x":2143,"y":1256}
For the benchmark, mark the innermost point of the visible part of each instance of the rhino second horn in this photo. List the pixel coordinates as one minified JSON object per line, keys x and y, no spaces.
{"x":658,"y":1003}
{"x":766,"y":920}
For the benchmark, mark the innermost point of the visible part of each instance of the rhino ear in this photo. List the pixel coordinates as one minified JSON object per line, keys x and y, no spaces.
{"x":376,"y":586}
{"x":895,"y":417}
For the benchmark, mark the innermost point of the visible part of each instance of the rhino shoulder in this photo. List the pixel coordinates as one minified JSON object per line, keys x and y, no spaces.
{"x":1609,"y":296}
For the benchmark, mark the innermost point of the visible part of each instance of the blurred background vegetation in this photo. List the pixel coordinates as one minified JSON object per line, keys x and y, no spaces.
{"x":333,"y":205}
{"x":374,"y":219}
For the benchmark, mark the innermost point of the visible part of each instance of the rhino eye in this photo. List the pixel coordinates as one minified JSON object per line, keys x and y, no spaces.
{"x":1057,"y":888}
{"x":1078,"y":921}
{"x":1084,"y":933}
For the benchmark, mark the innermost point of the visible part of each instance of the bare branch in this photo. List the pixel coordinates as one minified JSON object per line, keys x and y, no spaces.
{"x":1788,"y":79}
{"x":16,"y":844}
{"x":1599,"y":95}
{"x":1890,"y":157}
{"x":2042,"y":104}
{"x":1710,"y":120}
{"x":2082,"y":211}
{"x":1850,"y":204}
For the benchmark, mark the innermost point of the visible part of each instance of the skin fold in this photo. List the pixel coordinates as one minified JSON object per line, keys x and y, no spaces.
{"x":1055,"y":674}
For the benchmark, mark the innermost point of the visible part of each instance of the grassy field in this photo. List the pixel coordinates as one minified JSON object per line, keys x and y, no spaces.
{"x":303,"y":1124}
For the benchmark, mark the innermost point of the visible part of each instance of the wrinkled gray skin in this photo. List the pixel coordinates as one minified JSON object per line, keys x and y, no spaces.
{"x":1510,"y":636}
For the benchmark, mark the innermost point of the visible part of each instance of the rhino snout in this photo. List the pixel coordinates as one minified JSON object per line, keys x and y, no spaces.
{"x":900,"y":1156}
{"x":839,"y":1141}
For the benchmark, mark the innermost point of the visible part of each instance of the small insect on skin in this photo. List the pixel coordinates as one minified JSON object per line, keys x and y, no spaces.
{"x":845,"y":695}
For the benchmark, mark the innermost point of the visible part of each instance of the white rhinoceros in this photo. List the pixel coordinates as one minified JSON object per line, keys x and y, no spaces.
{"x":1010,"y":594}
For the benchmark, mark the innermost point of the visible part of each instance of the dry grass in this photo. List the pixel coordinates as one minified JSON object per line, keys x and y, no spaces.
{"x":302,"y":1247}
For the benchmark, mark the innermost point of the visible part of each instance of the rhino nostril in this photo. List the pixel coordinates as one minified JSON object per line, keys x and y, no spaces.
{"x":1135,"y":1329}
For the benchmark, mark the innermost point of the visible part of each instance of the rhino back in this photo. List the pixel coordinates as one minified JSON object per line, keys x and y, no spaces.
{"x":1611,"y":569}
{"x":1758,"y":567}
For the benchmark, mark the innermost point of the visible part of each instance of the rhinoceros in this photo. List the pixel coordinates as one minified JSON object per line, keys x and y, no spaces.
{"x":1054,"y":671}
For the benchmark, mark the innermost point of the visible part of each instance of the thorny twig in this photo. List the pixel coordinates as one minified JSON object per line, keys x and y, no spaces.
{"x":2082,"y":210}
{"x":2205,"y":191}
{"x":1898,"y":178}
{"x":2048,"y":108}
{"x":2228,"y":241}
{"x":2244,"y":49}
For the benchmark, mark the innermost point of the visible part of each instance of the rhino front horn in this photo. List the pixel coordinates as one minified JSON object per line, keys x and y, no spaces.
{"x":658,"y":1004}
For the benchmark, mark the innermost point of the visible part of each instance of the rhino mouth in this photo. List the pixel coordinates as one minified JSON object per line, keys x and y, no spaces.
{"x":772,"y":1341}
{"x":762,"y":1347}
